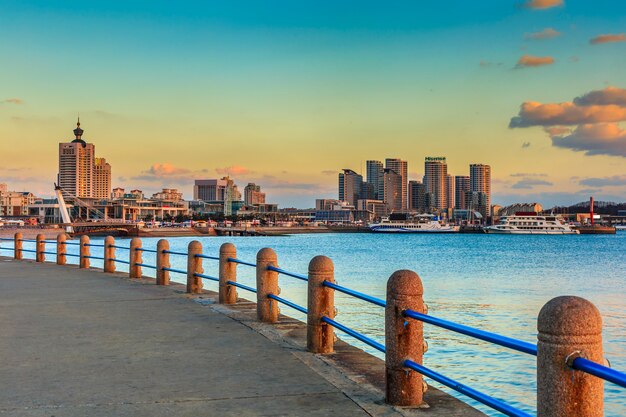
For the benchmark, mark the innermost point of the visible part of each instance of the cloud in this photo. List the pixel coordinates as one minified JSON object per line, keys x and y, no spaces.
{"x":234,"y":170}
{"x":547,"y":33}
{"x":543,"y":4}
{"x":615,"y":180}
{"x":526,"y":61}
{"x":537,"y":114}
{"x":17,"y":101}
{"x":529,"y":183}
{"x":620,"y":37}
{"x":330,"y":172}
{"x":526,"y":145}
{"x":595,"y":139}
{"x":610,"y":95}
{"x":167,"y":174}
{"x":166,"y":170}
{"x":557,"y":130}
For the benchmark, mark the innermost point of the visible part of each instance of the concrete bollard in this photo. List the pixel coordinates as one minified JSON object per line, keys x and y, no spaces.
{"x":40,"y":248}
{"x":109,"y":254}
{"x":266,"y":283}
{"x":568,"y":327}
{"x":135,"y":257}
{"x":61,"y":249}
{"x":228,"y":272}
{"x":85,"y":252}
{"x":194,"y":266}
{"x":404,"y":339}
{"x":320,"y":337}
{"x":162,"y":261}
{"x":17,"y":246}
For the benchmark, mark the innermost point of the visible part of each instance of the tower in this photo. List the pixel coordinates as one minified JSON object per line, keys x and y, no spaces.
{"x":480,"y":182}
{"x":435,"y":180}
{"x":76,"y":162}
{"x":401,"y":168}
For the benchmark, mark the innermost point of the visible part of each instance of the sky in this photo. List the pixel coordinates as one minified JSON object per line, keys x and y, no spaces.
{"x":286,"y":94}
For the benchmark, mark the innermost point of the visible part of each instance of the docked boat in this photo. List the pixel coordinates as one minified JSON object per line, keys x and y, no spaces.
{"x":421,"y":224}
{"x":531,"y":224}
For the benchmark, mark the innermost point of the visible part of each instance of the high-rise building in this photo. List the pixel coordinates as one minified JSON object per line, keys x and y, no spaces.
{"x":350,"y":186}
{"x":209,"y":190}
{"x":101,"y":179}
{"x":417,"y":196}
{"x":374,"y":171}
{"x":435,"y":180}
{"x":450,"y":191}
{"x":393,"y":191}
{"x":401,"y":168}
{"x":480,"y":182}
{"x":76,"y":162}
{"x":253,"y":194}
{"x":461,"y":186}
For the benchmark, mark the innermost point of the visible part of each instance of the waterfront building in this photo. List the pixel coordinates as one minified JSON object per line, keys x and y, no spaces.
{"x":417,"y":197}
{"x":168,"y":194}
{"x":117,"y":192}
{"x":450,"y":192}
{"x":401,"y":168}
{"x":136,"y":194}
{"x":375,"y":180}
{"x":15,"y":203}
{"x":393,"y":191}
{"x":350,"y":186}
{"x":253,"y":195}
{"x":209,"y":190}
{"x":378,"y":208}
{"x":435,"y":180}
{"x":480,"y":182}
{"x":461,"y":186}
{"x":76,"y":165}
{"x":326,"y":203}
{"x":101,"y":179}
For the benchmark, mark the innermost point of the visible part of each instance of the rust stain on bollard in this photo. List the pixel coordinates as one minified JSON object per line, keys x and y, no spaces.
{"x":228,"y":272}
{"x":320,"y":303}
{"x":84,"y":252}
{"x":266,"y":283}
{"x":40,"y":247}
{"x":163,"y":261}
{"x":61,"y":249}
{"x":136,"y":257}
{"x":109,"y":254}
{"x":17,"y":246}
{"x":194,"y":266}
{"x":568,"y":327}
{"x":404,"y":339}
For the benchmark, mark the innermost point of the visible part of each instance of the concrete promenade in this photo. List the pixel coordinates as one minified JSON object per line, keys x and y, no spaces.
{"x":79,"y":342}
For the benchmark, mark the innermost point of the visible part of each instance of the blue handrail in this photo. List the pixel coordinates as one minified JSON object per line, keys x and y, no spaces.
{"x":199,"y":255}
{"x":71,"y":243}
{"x":146,"y":250}
{"x":49,"y":253}
{"x":288,"y":303}
{"x":119,"y":247}
{"x":28,"y":250}
{"x":243,"y":287}
{"x":290,"y":274}
{"x":601,"y":371}
{"x":239,"y":261}
{"x":355,"y":334}
{"x":50,"y":241}
{"x":175,"y":253}
{"x":464,"y":389}
{"x":97,"y":245}
{"x":146,"y":265}
{"x":179,"y":271}
{"x":119,"y":260}
{"x":94,"y":257}
{"x":72,"y":254}
{"x":7,"y":238}
{"x":206,"y":277}
{"x":27,"y":240}
{"x":497,"y":339}
{"x":356,"y":294}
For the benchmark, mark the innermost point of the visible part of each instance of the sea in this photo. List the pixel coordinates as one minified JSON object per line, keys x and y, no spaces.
{"x":492,"y":282}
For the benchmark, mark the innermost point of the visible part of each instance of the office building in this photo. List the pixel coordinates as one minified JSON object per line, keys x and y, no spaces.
{"x":450,"y":191}
{"x":76,"y":165}
{"x":435,"y":181}
{"x":101,"y":179}
{"x":393,"y":191}
{"x":253,"y":195}
{"x":417,"y":197}
{"x":461,"y":186}
{"x":350,"y":186}
{"x":375,"y":183}
{"x":480,"y":182}
{"x":209,"y":190}
{"x":401,"y":168}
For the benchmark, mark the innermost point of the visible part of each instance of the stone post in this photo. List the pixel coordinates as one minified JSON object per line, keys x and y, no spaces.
{"x":40,"y":247}
{"x":194,"y":266}
{"x":404,"y":339}
{"x":85,"y":252}
{"x":320,"y":336}
{"x":163,"y":261}
{"x":228,"y":272}
{"x":569,"y":327}
{"x":17,"y":246}
{"x":266,"y":283}
{"x":135,"y":257}
{"x":109,"y":254}
{"x":61,"y":249}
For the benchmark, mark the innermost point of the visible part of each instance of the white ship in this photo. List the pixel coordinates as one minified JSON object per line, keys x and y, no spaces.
{"x":422,"y":224}
{"x":531,"y":224}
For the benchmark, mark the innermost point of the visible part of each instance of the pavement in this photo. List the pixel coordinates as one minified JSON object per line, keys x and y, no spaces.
{"x":78,"y":342}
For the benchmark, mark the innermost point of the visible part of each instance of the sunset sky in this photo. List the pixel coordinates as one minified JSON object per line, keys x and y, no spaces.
{"x":287,"y":93}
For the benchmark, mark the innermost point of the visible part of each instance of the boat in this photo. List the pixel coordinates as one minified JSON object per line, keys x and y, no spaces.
{"x":531,"y":224}
{"x":621,"y":227}
{"x":421,"y":224}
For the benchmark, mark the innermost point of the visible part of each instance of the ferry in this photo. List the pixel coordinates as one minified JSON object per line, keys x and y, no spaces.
{"x":422,"y":224}
{"x":531,"y":224}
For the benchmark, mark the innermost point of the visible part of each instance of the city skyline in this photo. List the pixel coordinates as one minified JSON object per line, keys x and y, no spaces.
{"x":287,"y":95}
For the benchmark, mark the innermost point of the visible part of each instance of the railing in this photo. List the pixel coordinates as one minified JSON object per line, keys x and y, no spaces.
{"x":569,"y":351}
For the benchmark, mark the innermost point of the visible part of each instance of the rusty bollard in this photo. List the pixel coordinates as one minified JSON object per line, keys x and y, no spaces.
{"x":135,"y":257}
{"x":109,"y":254}
{"x":404,"y":339}
{"x":40,"y":248}
{"x":569,"y":327}
{"x":61,"y":249}
{"x":194,"y":266}
{"x":85,"y":252}
{"x":17,"y":246}
{"x":266,"y":283}
{"x":228,"y":272}
{"x":320,"y":337}
{"x":162,"y":261}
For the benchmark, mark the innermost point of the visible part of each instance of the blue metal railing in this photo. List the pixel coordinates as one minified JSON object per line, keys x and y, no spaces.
{"x":288,"y":303}
{"x":72,"y":254}
{"x":175,"y":253}
{"x":49,"y":253}
{"x":242,"y":286}
{"x":355,"y":334}
{"x":290,"y":274}
{"x":207,"y":277}
{"x":355,"y":294}
{"x":239,"y":261}
{"x":146,"y":265}
{"x":119,"y":247}
{"x":119,"y":261}
{"x":71,"y":243}
{"x":178,"y":271}
{"x":96,"y":245}
{"x":215,"y":258}
{"x":601,"y":371}
{"x":146,"y":250}
{"x":94,"y":257}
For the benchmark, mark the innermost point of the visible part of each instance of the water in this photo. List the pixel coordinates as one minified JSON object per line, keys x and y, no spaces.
{"x":494,"y":282}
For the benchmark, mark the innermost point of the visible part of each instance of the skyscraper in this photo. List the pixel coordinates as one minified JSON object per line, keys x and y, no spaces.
{"x":375,"y":179}
{"x":350,"y":186}
{"x":393,"y":191}
{"x":401,"y":168}
{"x":435,"y":180}
{"x":480,"y":182}
{"x":76,"y":161}
{"x":450,"y":191}
{"x":417,"y":196}
{"x":101,"y":179}
{"x":461,"y":186}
